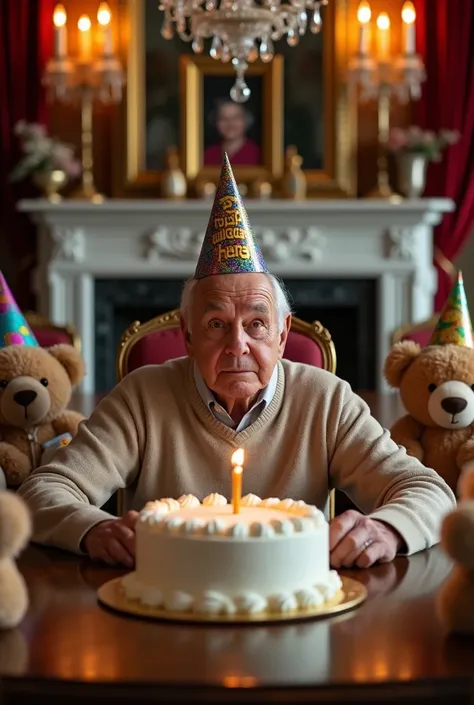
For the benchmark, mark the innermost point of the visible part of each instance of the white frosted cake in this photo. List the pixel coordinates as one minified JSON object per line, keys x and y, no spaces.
{"x":272,"y":556}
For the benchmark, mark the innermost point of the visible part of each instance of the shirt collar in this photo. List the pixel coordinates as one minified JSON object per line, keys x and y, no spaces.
{"x":264,"y":397}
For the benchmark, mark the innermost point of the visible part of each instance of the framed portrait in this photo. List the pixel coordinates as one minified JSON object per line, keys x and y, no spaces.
{"x":176,"y":98}
{"x":212,"y":122}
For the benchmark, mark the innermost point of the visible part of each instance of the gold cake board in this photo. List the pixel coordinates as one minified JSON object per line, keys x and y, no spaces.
{"x":352,"y":593}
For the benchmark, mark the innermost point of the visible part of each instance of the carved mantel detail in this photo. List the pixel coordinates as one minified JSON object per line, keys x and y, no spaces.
{"x":402,"y":243}
{"x":277,"y":245}
{"x":69,"y":244}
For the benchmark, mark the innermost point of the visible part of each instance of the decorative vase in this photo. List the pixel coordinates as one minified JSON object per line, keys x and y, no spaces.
{"x":293,"y":183}
{"x":174,"y":184}
{"x":50,"y":183}
{"x":411,"y":170}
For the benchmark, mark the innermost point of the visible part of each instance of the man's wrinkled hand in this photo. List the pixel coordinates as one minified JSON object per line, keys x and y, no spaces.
{"x":355,"y":540}
{"x":113,"y":541}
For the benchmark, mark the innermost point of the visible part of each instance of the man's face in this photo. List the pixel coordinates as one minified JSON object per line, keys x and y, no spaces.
{"x":235,"y":337}
{"x":231,"y":121}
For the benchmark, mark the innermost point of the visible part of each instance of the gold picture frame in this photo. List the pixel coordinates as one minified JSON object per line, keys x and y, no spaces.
{"x":193,"y":72}
{"x":335,"y":176}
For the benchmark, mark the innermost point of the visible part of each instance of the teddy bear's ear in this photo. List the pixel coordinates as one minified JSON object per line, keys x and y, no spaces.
{"x":71,"y":360}
{"x":399,"y":358}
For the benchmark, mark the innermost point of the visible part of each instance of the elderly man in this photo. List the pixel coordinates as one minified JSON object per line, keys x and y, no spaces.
{"x":170,"y":429}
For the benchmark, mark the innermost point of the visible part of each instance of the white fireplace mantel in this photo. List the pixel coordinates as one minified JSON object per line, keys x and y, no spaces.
{"x":391,"y":243}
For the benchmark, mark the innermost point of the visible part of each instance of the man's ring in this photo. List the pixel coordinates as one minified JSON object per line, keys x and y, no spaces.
{"x":367,"y":543}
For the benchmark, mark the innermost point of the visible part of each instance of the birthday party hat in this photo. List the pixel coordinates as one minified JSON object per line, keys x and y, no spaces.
{"x":454,"y":324}
{"x":14,"y":330}
{"x":229,"y":245}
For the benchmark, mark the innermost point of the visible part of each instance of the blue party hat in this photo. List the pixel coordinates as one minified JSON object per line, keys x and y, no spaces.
{"x":229,"y":245}
{"x":14,"y":330}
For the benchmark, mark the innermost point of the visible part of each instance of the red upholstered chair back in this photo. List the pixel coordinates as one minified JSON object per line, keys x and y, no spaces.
{"x":418,"y":332}
{"x":48,"y":334}
{"x":160,"y":339}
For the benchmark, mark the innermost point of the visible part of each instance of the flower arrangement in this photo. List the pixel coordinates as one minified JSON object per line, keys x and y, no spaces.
{"x":414,"y":140}
{"x":42,"y":153}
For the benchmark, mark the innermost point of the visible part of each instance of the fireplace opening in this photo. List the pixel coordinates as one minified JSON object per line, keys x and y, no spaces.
{"x":346,"y":307}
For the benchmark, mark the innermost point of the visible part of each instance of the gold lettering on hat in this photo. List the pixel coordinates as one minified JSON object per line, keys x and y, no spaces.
{"x":233,"y":251}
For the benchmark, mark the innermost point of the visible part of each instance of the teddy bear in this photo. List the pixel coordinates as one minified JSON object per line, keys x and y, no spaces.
{"x":35,"y":389}
{"x":436,"y":386}
{"x":15,"y":532}
{"x":454,"y":603}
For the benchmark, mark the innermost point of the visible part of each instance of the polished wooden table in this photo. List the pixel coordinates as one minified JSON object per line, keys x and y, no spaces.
{"x":391,"y":649}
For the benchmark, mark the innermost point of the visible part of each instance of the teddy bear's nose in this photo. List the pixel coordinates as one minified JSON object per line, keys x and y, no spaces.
{"x":454,"y":405}
{"x":25,"y":397}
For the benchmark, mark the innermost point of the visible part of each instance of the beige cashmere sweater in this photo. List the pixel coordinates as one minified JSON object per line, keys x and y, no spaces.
{"x":154,"y":436}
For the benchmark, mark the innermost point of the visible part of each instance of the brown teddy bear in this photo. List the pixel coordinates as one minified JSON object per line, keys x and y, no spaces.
{"x":437,"y":389}
{"x":454,"y":602}
{"x":15,"y":531}
{"x":35,"y":389}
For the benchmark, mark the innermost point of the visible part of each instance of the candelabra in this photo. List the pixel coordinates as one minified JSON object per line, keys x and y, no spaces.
{"x":82,"y":81}
{"x":384,"y":78}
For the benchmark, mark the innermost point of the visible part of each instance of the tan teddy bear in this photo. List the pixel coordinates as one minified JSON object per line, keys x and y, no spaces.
{"x":454,"y":602}
{"x":35,"y":389}
{"x":437,"y":389}
{"x":15,"y":531}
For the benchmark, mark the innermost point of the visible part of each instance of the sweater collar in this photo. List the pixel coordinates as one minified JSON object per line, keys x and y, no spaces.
{"x":263,"y":399}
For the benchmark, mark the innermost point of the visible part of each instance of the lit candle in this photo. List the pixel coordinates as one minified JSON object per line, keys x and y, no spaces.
{"x":104,"y":16}
{"x":60,"y":32}
{"x":85,"y":39}
{"x":383,"y":36}
{"x":237,"y":470}
{"x":363,"y":15}
{"x":409,"y":17}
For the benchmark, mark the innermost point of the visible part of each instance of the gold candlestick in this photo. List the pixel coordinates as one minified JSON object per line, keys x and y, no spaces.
{"x":87,"y":189}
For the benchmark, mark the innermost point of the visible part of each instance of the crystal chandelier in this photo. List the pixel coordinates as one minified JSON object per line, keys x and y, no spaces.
{"x":242,"y":30}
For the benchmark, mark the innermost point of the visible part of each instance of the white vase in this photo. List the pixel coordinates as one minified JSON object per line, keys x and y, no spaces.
{"x":411,"y":170}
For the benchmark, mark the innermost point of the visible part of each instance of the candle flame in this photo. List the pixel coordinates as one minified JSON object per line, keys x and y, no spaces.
{"x":103,"y":14}
{"x":237,"y":470}
{"x":84,"y":23}
{"x":59,"y":16}
{"x":408,"y":12}
{"x":383,"y":21}
{"x":238,"y":457}
{"x":364,"y":13}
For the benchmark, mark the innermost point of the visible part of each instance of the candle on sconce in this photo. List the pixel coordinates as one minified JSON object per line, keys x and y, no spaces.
{"x":237,"y":471}
{"x":60,"y":32}
{"x":364,"y":14}
{"x":383,"y":36}
{"x":85,"y":38}
{"x":409,"y":32}
{"x":104,"y":17}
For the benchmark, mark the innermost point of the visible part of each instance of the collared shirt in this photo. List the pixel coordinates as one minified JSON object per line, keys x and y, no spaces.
{"x":263,"y":400}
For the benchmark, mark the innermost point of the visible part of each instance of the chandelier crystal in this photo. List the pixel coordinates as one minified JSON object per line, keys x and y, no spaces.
{"x":241,"y":30}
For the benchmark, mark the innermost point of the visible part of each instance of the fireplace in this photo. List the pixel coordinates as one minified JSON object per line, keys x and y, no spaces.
{"x":361,"y":267}
{"x":347,"y":307}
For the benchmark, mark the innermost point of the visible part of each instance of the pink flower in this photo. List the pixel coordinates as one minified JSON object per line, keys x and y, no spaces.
{"x":397,"y":139}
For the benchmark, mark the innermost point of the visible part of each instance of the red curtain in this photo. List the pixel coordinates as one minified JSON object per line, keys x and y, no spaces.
{"x":445,"y":40}
{"x":26,"y":42}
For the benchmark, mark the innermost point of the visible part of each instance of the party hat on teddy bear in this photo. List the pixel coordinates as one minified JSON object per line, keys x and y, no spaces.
{"x":229,"y":245}
{"x":454,"y":325}
{"x":14,"y":330}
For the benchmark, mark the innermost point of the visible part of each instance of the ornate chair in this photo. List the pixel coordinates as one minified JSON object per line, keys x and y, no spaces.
{"x":160,"y":339}
{"x":418,"y":332}
{"x":48,"y":334}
